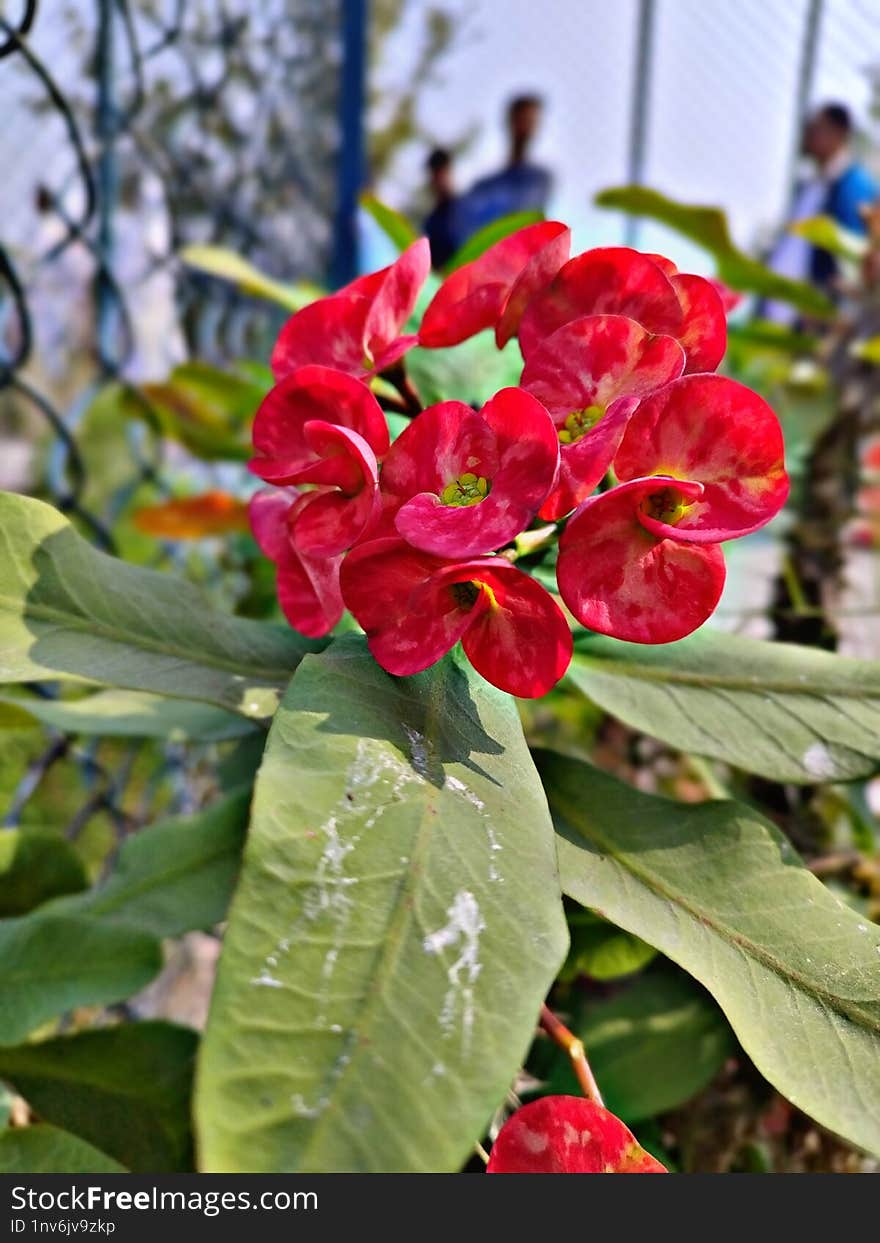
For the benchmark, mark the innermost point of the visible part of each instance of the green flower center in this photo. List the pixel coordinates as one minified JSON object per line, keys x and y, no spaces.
{"x":465,"y":490}
{"x":667,"y":505}
{"x":579,"y":422}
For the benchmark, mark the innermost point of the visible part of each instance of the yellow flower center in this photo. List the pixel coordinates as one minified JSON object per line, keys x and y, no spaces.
{"x":667,"y":505}
{"x":579,"y":422}
{"x":467,"y":489}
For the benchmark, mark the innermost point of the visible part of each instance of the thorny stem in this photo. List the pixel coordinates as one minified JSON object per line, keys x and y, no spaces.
{"x":558,"y":1032}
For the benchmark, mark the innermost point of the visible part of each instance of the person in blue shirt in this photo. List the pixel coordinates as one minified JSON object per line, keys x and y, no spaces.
{"x":520,"y":185}
{"x":443,"y":226}
{"x":841,"y":188}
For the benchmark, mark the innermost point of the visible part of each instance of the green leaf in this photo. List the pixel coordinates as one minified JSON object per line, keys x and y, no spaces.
{"x":49,"y":964}
{"x":479,"y":242}
{"x":67,"y":610}
{"x":651,"y":1047}
{"x":205,"y":408}
{"x":396,"y":926}
{"x":172,"y":877}
{"x":125,"y":1089}
{"x":827,"y":234}
{"x":395,"y":226}
{"x":132,"y":714}
{"x":44,"y":1149}
{"x":789,"y":713}
{"x":218,"y":261}
{"x":35,"y":867}
{"x":471,"y":372}
{"x":719,"y":890}
{"x":707,"y":226}
{"x":601,"y":951}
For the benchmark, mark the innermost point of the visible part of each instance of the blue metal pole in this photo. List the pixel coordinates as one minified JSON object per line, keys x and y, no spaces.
{"x":351,"y":167}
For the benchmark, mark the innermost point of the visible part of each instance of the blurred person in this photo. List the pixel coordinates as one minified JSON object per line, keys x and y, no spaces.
{"x":442,"y":226}
{"x":840,"y":188}
{"x":519,"y":185}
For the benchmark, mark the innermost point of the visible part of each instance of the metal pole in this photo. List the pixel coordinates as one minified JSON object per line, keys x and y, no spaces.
{"x":809,"y":49}
{"x":106,"y":128}
{"x":638,"y":132}
{"x":350,"y":174}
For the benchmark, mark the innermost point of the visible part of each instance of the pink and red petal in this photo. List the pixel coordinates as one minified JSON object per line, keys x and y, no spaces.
{"x":441,"y":443}
{"x":584,"y":464}
{"x":535,"y":276}
{"x":596,"y":359}
{"x":329,"y":332}
{"x":410,"y":622}
{"x":521,"y":642}
{"x":568,"y":1135}
{"x":611,"y":280}
{"x":474,"y":296}
{"x":717,"y":431}
{"x":308,"y":590}
{"x":619,"y":579}
{"x":393,"y":303}
{"x":704,"y":325}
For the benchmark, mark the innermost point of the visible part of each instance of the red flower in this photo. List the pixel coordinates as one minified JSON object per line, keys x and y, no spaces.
{"x":465,"y":483}
{"x":568,"y":1135}
{"x":415,"y":607}
{"x":357,"y":330}
{"x":615,"y":280}
{"x":702,"y":461}
{"x":590,"y":375}
{"x":714,"y":430}
{"x":492,"y":292}
{"x":323,"y":427}
{"x":308,"y":587}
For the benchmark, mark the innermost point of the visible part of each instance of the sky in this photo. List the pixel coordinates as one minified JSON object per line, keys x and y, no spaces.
{"x":722,"y":99}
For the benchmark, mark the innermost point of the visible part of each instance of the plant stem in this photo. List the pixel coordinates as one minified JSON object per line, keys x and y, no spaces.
{"x":558,"y":1032}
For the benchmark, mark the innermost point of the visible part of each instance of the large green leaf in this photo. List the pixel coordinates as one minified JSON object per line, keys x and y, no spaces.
{"x":719,"y":890}
{"x":67,"y":610}
{"x":45,"y":1149}
{"x":49,"y":964}
{"x":789,"y":713}
{"x":125,"y":1089}
{"x":172,"y":877}
{"x":397,"y":924}
{"x":35,"y":867}
{"x":707,"y":226}
{"x":131,"y":714}
{"x":651,"y":1047}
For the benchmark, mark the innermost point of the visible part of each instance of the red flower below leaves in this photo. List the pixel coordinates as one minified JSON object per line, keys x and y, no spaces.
{"x":492,"y":291}
{"x":463,"y":483}
{"x":579,"y":373}
{"x":357,"y":330}
{"x":568,"y":1135}
{"x":415,"y":607}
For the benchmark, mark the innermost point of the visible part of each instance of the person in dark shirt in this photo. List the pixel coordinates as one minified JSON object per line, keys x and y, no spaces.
{"x":442,"y":226}
{"x":520,"y":185}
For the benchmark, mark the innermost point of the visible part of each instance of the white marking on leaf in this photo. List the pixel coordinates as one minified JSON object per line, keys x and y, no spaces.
{"x":819,"y":762}
{"x":462,"y":932}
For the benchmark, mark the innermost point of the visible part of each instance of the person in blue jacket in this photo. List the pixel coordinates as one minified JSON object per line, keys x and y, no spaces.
{"x":520,"y":185}
{"x":840,"y":188}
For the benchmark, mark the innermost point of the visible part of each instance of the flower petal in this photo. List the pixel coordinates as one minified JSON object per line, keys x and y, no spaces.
{"x":474,"y":296}
{"x":329,"y":332}
{"x":440,"y":444}
{"x":584,"y":464}
{"x":395,"y":299}
{"x":409,"y":622}
{"x":715,"y":430}
{"x":704,"y":331}
{"x":521,"y":643}
{"x":619,"y":579}
{"x":308,"y":590}
{"x":568,"y":1135}
{"x":612,"y":280}
{"x":535,"y":276}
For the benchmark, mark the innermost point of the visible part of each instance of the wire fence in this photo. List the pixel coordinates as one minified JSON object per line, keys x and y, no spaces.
{"x":131,"y":129}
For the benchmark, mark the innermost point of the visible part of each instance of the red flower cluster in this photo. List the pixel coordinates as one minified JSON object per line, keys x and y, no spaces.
{"x":417,"y":538}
